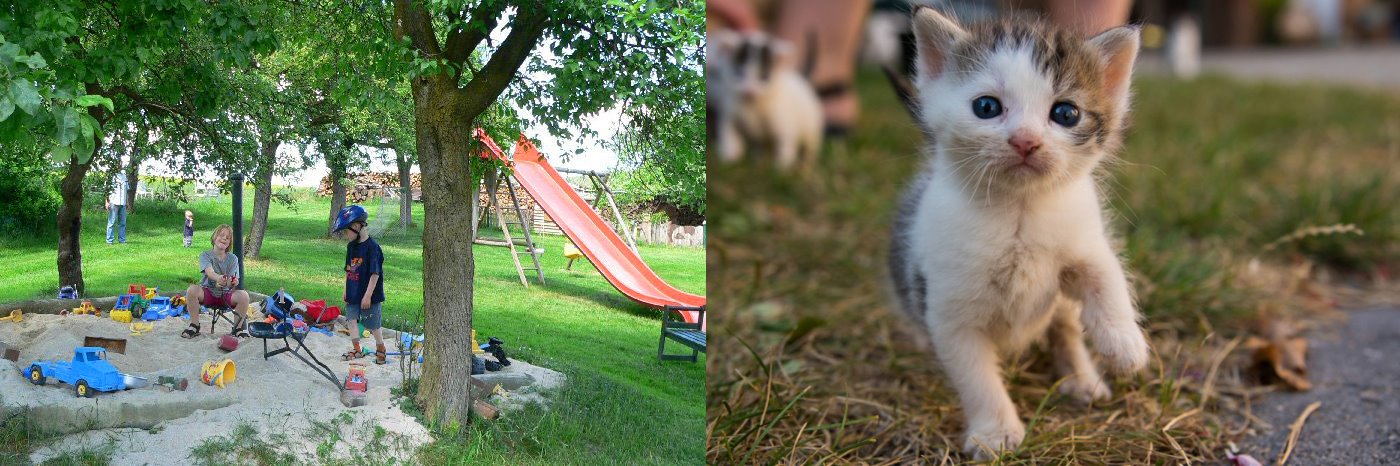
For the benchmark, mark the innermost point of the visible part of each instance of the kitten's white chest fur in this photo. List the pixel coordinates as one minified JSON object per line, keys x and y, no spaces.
{"x":999,"y":267}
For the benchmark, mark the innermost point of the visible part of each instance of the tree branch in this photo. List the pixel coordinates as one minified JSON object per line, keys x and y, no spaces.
{"x":412,"y":21}
{"x":463,"y":40}
{"x":485,"y":87}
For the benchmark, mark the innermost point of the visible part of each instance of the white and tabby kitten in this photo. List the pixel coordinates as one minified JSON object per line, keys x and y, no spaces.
{"x":1002,"y":239}
{"x":770,"y":106}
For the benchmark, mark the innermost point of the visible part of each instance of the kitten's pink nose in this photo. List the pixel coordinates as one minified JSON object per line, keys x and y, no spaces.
{"x":1024,"y":144}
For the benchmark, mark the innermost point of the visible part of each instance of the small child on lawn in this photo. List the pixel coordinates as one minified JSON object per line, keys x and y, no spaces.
{"x":364,"y":280}
{"x":189,"y":228}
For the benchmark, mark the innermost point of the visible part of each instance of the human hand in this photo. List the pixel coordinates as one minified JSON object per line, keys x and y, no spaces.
{"x":365,"y":302}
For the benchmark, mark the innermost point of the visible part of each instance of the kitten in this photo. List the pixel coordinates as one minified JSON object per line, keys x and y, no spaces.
{"x":1002,"y":239}
{"x":770,"y":106}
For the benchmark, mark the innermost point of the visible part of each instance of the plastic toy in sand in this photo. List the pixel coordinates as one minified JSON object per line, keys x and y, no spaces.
{"x":16,"y":316}
{"x":151,"y":293}
{"x":228,"y":343}
{"x":88,"y":372}
{"x":318,"y":313}
{"x":353,"y":393}
{"x":140,"y":328}
{"x":68,"y":292}
{"x":124,"y":302}
{"x":159,"y":308}
{"x":121,"y":316}
{"x":356,"y":381}
{"x":171,"y":383}
{"x":89,"y":309}
{"x":218,"y":373}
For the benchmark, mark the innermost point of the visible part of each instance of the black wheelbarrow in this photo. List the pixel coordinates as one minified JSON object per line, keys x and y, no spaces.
{"x":284,"y":332}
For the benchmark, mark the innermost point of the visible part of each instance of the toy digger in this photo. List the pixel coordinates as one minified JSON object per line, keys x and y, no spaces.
{"x":87,"y":308}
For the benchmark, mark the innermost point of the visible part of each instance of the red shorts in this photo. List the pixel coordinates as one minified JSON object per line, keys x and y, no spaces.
{"x":211,"y":301}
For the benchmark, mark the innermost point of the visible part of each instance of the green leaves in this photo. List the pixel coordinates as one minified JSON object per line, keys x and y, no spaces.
{"x":66,"y":125}
{"x":35,"y":61}
{"x":92,"y":99}
{"x":7,"y":106}
{"x":25,"y":96}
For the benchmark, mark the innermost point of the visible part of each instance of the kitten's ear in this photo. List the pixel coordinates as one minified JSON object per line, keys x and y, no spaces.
{"x":1119,"y":48}
{"x":934,"y":38}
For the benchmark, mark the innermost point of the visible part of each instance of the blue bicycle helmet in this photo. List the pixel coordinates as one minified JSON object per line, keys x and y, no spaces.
{"x":350,"y":214}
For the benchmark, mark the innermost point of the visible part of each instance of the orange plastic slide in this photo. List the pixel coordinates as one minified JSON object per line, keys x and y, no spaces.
{"x":619,"y":264}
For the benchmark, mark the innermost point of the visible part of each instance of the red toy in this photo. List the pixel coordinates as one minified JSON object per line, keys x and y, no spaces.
{"x":357,"y":382}
{"x":136,"y":289}
{"x":228,"y":343}
{"x":318,"y":313}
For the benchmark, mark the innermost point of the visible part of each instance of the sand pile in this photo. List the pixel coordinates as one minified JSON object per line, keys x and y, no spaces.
{"x":153,"y":426}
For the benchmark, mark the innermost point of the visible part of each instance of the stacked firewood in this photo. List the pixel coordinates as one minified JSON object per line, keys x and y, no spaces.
{"x":363,"y":186}
{"x":503,"y":197}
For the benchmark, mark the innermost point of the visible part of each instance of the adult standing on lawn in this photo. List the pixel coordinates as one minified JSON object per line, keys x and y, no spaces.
{"x":116,"y":208}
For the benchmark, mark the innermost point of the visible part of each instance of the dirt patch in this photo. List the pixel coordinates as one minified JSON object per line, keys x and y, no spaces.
{"x":151,"y":425}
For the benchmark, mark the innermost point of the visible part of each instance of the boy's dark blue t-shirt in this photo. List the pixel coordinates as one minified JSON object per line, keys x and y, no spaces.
{"x":363,"y":259}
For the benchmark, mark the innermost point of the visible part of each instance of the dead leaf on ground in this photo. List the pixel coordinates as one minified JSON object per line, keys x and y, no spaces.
{"x":1280,"y":354}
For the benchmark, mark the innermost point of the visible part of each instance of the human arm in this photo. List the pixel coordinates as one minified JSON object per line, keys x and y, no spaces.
{"x":365,"y":302}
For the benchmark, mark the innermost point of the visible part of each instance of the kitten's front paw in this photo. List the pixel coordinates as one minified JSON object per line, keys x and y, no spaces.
{"x":1124,"y":351}
{"x":1085,"y":390}
{"x":988,"y":441}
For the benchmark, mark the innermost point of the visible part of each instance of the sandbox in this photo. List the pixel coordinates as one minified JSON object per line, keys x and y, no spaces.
{"x":156,"y":426}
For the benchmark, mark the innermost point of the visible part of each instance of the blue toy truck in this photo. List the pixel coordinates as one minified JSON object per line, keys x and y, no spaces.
{"x":88,"y":372}
{"x":160,"y":308}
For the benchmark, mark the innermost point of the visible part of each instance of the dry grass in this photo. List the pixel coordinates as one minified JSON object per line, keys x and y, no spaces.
{"x":813,"y":365}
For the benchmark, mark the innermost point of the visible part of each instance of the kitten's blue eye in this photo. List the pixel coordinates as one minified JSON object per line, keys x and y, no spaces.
{"x":986,"y":107}
{"x":1065,"y":113}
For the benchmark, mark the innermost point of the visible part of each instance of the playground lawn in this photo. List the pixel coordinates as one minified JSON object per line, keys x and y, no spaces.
{"x":620,"y":405}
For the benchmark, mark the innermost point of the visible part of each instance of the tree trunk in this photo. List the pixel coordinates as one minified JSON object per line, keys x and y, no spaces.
{"x":337,"y":169}
{"x":405,"y":190}
{"x":133,"y":179}
{"x":133,"y":168}
{"x":444,"y":115}
{"x":262,"y":182}
{"x":70,"y":224}
{"x":448,"y":267}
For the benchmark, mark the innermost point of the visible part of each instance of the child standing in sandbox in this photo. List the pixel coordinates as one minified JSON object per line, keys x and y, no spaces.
{"x":218,"y":270}
{"x":364,"y":280}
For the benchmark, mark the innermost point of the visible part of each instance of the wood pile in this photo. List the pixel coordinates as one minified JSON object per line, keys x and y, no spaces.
{"x":363,"y":186}
{"x":503,"y":197}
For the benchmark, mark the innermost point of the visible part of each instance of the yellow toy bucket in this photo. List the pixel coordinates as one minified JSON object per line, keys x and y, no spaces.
{"x":219,"y":373}
{"x":121,"y":316}
{"x":16,"y":315}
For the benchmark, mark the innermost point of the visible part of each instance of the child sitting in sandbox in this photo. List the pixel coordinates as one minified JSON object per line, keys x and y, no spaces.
{"x":218,"y":268}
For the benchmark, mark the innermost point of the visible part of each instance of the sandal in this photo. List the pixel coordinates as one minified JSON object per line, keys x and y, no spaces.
{"x":191,"y":331}
{"x":351,"y":355}
{"x":381,"y":357}
{"x":240,"y":330}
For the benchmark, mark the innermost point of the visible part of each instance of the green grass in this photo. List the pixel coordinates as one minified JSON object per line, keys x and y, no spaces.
{"x":621,"y":405}
{"x":1213,"y":172}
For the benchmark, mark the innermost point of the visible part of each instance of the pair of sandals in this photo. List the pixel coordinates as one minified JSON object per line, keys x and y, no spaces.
{"x":381,"y":357}
{"x":240,"y":330}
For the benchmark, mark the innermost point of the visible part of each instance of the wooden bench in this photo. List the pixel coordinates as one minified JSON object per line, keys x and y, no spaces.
{"x":674,"y":327}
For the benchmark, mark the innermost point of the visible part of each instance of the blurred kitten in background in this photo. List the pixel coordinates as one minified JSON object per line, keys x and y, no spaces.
{"x":760,"y":99}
